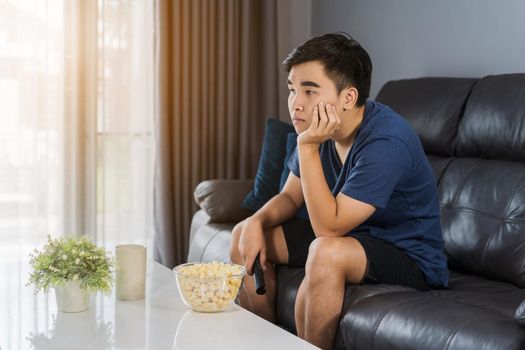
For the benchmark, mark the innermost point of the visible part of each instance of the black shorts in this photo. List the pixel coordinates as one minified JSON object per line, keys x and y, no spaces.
{"x":386,"y":263}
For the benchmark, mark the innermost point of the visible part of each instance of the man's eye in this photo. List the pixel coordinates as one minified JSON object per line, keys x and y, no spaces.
{"x":292,"y":91}
{"x":309,"y":92}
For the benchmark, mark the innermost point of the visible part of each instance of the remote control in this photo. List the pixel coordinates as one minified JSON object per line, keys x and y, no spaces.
{"x":258,"y":276}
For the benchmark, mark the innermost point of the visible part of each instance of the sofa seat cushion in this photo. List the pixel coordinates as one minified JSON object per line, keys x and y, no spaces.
{"x":466,"y":315}
{"x":416,"y":320}
{"x":288,"y":281}
{"x":492,"y":295}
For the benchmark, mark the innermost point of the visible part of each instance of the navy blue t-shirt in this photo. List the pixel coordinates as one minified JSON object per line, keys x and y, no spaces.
{"x":387,"y":168}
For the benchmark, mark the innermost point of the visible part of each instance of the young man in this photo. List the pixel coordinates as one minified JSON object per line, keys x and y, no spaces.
{"x":369,"y":190}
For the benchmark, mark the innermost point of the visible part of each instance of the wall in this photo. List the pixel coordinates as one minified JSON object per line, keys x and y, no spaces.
{"x":414,"y":38}
{"x":293,"y":28}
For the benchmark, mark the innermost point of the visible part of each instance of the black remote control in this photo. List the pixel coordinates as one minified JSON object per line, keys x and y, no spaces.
{"x":258,"y":276}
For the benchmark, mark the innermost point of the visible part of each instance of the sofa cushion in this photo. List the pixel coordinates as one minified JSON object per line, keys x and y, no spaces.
{"x":271,"y":164}
{"x":467,"y":299}
{"x":432,"y":106}
{"x":291,"y":143}
{"x":288,"y":281}
{"x":501,"y":297}
{"x":493,"y":125}
{"x":519,"y":315}
{"x":483,"y":218}
{"x":416,"y":320}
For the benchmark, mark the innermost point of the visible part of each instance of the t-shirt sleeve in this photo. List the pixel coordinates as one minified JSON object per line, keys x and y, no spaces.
{"x":379,"y":167}
{"x":293,"y":163}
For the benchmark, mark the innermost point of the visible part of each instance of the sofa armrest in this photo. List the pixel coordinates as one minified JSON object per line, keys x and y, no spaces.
{"x":519,"y":316}
{"x":221,"y":199}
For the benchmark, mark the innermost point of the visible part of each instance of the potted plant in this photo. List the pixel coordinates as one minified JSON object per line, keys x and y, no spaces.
{"x":75,"y":267}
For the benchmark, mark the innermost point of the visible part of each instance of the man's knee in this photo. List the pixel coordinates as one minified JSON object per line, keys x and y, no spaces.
{"x":329,"y":258}
{"x":321,"y":255}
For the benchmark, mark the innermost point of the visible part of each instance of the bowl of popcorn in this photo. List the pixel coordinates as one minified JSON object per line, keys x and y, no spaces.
{"x":209,"y":287}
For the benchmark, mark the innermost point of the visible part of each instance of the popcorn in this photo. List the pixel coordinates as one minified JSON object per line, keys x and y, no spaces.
{"x":209,"y":287}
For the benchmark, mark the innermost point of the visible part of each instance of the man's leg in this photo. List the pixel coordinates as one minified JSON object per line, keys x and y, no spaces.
{"x":277,"y":253}
{"x":332,"y":262}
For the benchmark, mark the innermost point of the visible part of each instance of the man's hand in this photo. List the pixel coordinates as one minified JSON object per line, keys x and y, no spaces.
{"x":325,"y":122}
{"x":251,"y":243}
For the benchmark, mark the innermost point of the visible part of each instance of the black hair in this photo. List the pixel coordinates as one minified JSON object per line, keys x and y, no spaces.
{"x":344,"y":60}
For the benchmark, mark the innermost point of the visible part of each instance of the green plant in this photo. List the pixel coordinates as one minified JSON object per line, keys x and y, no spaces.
{"x":71,"y":259}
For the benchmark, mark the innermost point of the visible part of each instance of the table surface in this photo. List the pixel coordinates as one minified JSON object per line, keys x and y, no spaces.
{"x":160,"y":321}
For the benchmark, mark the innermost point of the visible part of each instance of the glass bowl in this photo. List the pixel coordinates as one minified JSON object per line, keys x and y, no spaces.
{"x":209,"y":287}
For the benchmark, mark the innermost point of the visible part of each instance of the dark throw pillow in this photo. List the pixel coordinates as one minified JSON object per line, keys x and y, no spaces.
{"x":519,"y":316}
{"x":291,"y":142}
{"x":271,"y":164}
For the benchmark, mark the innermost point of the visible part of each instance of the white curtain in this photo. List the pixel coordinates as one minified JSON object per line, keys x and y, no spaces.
{"x":76,"y":143}
{"x":76,"y":97}
{"x":31,"y":122}
{"x":125,"y":115}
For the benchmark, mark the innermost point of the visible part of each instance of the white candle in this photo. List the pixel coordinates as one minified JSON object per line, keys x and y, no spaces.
{"x":130,"y":271}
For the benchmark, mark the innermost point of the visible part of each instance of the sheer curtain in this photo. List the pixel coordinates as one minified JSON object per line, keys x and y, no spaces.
{"x":76,"y":143}
{"x":32,"y":148}
{"x":31,"y":122}
{"x":125,"y":143}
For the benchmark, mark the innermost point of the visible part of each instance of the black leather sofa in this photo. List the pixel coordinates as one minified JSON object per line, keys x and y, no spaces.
{"x":473,"y":132}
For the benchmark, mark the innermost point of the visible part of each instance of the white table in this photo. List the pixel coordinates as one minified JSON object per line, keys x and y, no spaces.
{"x":161,"y":321}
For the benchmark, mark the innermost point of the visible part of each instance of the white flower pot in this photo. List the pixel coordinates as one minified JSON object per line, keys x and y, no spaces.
{"x":72,"y":298}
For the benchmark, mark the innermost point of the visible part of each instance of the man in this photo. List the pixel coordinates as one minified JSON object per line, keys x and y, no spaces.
{"x":369,"y":191}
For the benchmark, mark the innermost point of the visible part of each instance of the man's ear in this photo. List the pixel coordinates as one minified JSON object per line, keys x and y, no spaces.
{"x":350,"y":95}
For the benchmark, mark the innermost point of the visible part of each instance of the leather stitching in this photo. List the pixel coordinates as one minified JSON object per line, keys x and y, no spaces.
{"x":462,"y":114}
{"x":516,"y":191}
{"x":461,"y":300}
{"x":476,"y":211}
{"x":499,"y":230}
{"x":466,"y":177}
{"x":450,"y":161}
{"x":489,"y":240}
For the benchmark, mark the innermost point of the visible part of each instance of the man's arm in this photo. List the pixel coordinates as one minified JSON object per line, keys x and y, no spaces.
{"x":281,"y":207}
{"x":329,"y":216}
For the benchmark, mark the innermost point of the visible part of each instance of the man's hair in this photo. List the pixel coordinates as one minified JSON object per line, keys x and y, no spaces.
{"x":344,"y":60}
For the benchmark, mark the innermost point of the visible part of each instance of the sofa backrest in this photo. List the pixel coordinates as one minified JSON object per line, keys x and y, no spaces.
{"x":473,"y":132}
{"x":433,"y":106}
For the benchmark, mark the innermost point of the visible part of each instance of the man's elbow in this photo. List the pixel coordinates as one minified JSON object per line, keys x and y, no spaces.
{"x":327,"y":230}
{"x":290,"y":200}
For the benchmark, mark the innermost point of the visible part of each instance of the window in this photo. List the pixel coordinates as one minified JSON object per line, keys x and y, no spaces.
{"x":48,"y":124}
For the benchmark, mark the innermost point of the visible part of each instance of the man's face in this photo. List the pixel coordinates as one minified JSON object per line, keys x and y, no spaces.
{"x":308,"y":85}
